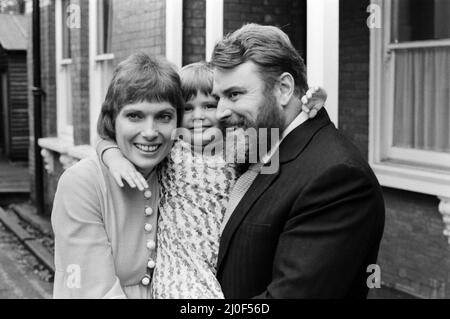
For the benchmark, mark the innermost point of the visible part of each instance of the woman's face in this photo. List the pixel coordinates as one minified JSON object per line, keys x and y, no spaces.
{"x":143,"y":133}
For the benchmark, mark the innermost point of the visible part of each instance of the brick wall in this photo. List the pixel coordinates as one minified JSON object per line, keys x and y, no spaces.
{"x":414,"y":255}
{"x":354,"y":51}
{"x":289,"y":15}
{"x":79,"y":38}
{"x":138,"y":25}
{"x":194,"y":24}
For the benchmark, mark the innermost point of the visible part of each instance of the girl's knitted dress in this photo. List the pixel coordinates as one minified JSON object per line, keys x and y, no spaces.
{"x":194,"y":196}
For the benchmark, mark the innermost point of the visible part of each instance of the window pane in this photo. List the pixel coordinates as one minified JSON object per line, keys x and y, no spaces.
{"x":419,"y":20}
{"x":104,"y":26}
{"x":422,"y":99}
{"x":66,"y":54}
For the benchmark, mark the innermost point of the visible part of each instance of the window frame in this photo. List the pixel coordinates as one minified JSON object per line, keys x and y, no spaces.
{"x":100,"y":69}
{"x":174,"y":32}
{"x":429,"y":173}
{"x":63,"y":80}
{"x":213,"y":25}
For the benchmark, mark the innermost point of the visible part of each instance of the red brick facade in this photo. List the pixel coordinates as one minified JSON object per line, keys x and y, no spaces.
{"x":138,"y":26}
{"x":354,"y":55}
{"x":289,"y":15}
{"x":415,"y":255}
{"x":79,"y":40}
{"x":194,"y":25}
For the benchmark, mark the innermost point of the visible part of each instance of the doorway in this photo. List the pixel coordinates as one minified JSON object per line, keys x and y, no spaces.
{"x":4,"y":115}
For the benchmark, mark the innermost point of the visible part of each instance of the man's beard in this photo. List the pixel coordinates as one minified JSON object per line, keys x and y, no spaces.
{"x":270,"y":116}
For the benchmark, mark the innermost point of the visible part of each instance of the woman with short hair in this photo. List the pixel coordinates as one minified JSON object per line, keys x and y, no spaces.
{"x":105,"y":235}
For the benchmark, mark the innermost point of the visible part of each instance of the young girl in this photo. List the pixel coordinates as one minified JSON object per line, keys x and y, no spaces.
{"x":194,"y":193}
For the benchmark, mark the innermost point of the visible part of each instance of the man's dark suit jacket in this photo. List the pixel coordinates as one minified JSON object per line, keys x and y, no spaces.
{"x":310,"y":230}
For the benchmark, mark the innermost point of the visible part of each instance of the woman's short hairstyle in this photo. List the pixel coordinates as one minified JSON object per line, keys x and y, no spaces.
{"x":266,"y":46}
{"x":137,"y":79}
{"x":196,"y":77}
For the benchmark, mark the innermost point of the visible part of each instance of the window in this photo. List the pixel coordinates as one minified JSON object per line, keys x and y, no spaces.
{"x":65,"y":36}
{"x":421,"y":75}
{"x":101,"y":57}
{"x":410,"y":96}
{"x":63,"y":70}
{"x":420,"y":20}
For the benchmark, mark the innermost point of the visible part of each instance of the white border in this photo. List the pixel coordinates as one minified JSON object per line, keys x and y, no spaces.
{"x":174,"y":32}
{"x":323,"y":50}
{"x":214,"y":25}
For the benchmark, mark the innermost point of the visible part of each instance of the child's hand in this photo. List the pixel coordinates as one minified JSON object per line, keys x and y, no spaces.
{"x":313,"y":101}
{"x":122,"y":169}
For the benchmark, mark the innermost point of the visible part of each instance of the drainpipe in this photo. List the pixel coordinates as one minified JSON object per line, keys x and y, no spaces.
{"x":37,"y":101}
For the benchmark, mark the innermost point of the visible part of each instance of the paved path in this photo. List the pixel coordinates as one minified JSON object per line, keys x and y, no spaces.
{"x":21,"y":275}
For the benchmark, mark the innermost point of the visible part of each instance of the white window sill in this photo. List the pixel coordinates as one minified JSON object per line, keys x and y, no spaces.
{"x":418,"y":179}
{"x":104,"y":57}
{"x":58,"y":149}
{"x":413,"y":178}
{"x":55,"y":144}
{"x":419,"y":44}
{"x":66,"y":62}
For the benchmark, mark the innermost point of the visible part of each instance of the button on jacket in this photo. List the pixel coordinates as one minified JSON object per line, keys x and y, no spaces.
{"x":101,"y":234}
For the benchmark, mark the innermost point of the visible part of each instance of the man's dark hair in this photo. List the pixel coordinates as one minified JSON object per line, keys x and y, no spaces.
{"x":266,"y":46}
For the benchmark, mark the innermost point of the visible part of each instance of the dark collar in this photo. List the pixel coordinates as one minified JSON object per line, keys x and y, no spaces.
{"x":299,"y":138}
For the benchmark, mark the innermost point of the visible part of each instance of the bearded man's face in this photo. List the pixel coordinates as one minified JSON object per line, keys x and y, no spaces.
{"x":245,"y":106}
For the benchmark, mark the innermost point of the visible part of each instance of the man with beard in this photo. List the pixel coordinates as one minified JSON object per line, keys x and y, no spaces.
{"x":312,"y":228}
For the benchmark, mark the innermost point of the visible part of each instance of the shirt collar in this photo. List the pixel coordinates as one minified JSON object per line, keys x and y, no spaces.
{"x":299,"y":120}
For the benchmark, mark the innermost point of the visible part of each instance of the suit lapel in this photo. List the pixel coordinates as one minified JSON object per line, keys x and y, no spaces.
{"x":294,"y":144}
{"x":261,"y":183}
{"x":290,"y":148}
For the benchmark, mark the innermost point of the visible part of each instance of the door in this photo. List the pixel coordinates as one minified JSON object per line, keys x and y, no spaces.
{"x":4,"y":118}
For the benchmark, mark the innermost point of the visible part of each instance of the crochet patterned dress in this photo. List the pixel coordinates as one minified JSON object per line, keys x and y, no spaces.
{"x":194,"y":195}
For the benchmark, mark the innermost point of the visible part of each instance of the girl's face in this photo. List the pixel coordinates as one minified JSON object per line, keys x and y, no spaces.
{"x":144,"y":131}
{"x":200,"y":118}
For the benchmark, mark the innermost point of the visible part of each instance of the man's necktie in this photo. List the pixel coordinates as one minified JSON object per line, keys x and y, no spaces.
{"x":240,"y":188}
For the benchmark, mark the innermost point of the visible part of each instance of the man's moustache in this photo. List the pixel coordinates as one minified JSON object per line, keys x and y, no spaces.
{"x":233,"y":123}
